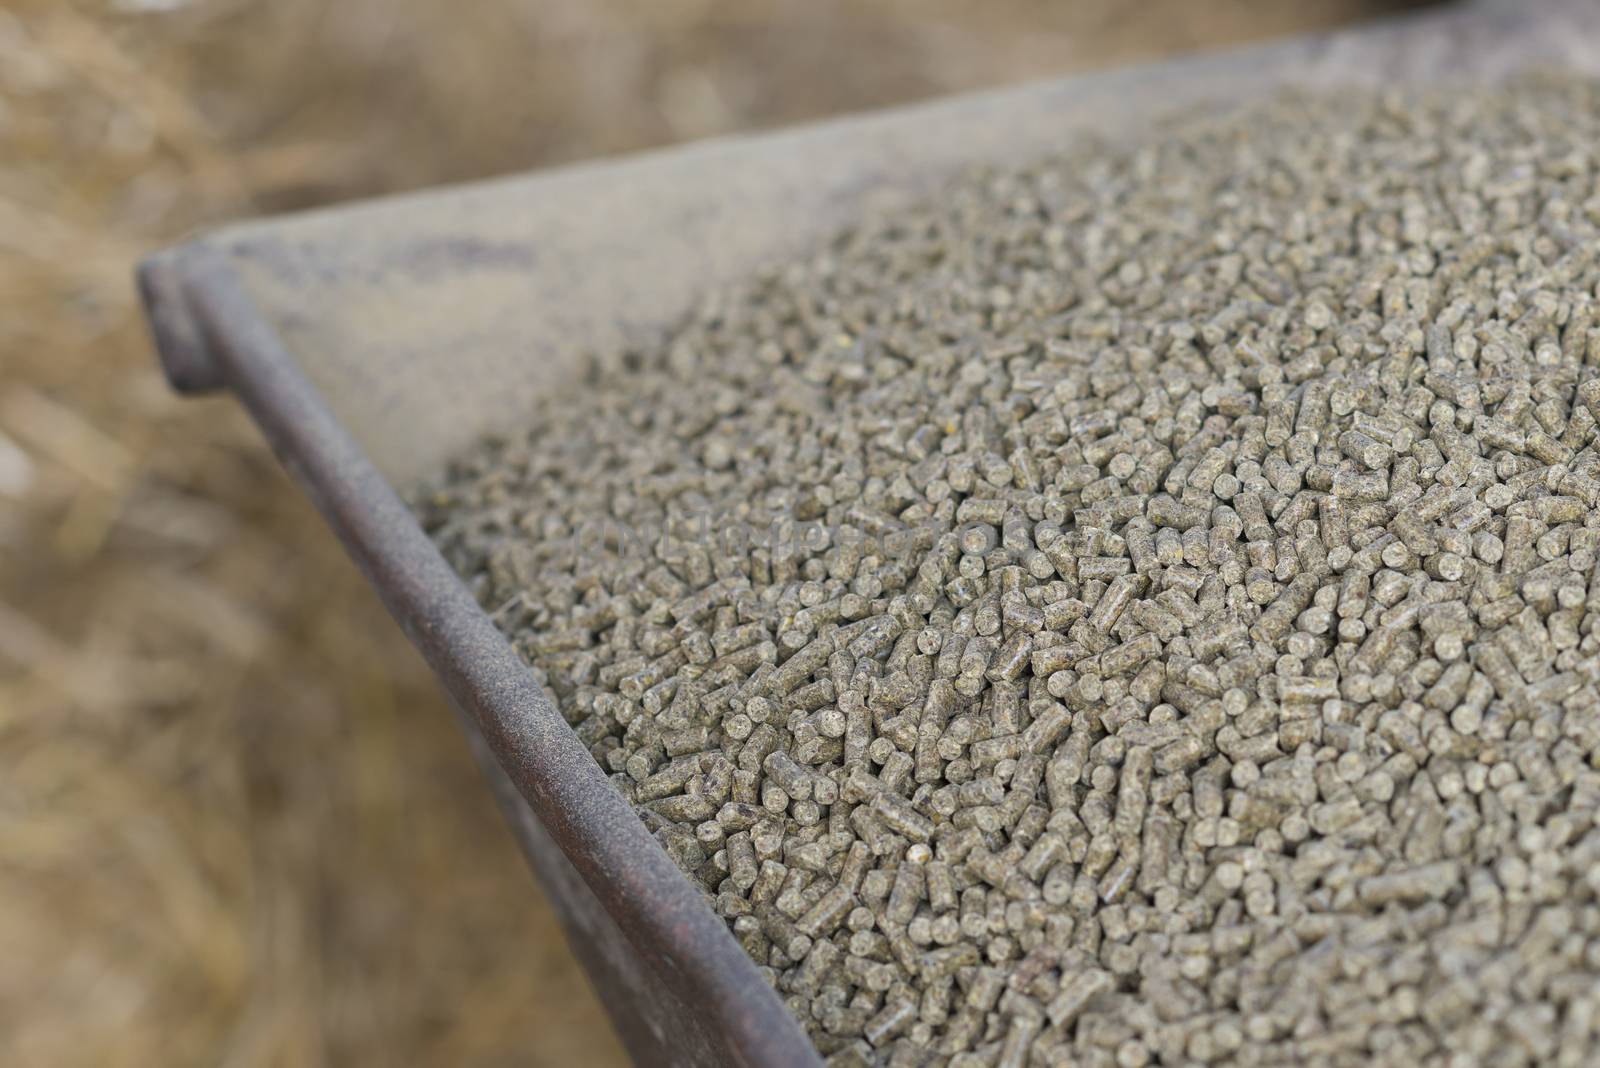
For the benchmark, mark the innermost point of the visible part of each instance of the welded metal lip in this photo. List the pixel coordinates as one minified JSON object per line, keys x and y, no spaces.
{"x":289,"y":315}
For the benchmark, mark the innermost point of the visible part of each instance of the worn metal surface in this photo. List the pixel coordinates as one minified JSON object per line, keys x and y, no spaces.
{"x":373,"y":342}
{"x":653,"y":945}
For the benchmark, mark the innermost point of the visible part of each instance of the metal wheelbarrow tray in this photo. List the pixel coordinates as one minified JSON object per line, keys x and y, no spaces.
{"x":372,"y":343}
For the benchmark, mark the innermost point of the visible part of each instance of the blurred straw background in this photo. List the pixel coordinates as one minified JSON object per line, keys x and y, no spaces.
{"x":236,"y":826}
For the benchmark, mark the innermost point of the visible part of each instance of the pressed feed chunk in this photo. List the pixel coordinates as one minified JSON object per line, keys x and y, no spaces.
{"x":1133,"y":610}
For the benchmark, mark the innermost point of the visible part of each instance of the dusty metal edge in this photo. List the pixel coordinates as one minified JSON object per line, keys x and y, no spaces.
{"x":210,"y":336}
{"x":556,"y":875}
{"x":185,"y":356}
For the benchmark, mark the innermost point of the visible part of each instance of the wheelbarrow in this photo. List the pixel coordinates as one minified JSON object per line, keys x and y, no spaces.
{"x":374,"y":342}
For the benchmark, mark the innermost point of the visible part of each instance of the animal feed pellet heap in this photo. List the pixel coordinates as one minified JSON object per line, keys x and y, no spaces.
{"x":1134,"y":610}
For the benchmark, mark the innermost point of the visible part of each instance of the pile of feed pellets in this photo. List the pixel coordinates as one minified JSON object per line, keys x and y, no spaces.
{"x":1137,"y":609}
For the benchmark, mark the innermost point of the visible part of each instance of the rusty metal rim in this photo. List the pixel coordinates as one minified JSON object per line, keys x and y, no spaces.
{"x":211,"y":336}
